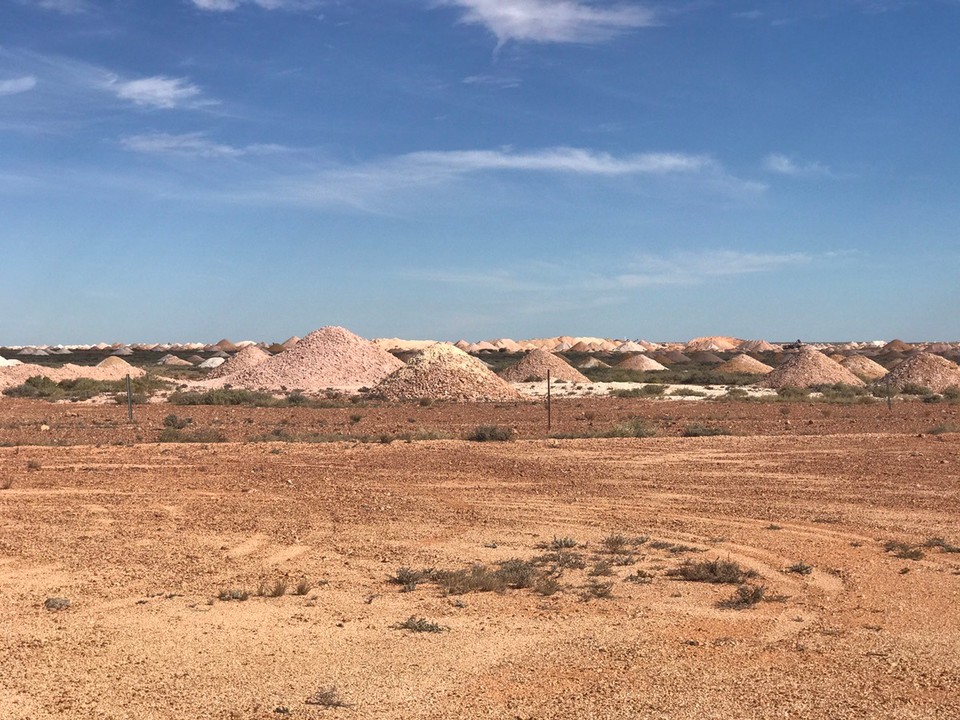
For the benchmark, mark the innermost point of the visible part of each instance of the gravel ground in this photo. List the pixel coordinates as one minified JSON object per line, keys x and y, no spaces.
{"x":142,"y":540}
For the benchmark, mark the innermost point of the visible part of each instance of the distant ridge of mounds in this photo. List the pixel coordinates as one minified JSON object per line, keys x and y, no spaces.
{"x":335,"y":359}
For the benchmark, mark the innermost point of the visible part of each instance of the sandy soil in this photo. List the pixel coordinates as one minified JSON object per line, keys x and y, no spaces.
{"x":143,"y":539}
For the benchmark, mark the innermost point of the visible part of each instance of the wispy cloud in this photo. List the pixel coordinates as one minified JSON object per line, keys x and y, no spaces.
{"x":493,"y":81}
{"x":692,"y":268}
{"x":67,"y":7}
{"x":366,"y":185}
{"x":17,"y":85}
{"x":581,"y":282}
{"x":552,"y":21}
{"x":562,"y":159}
{"x":191,"y":145}
{"x":158,"y":91}
{"x":228,"y":5}
{"x":784,"y":165}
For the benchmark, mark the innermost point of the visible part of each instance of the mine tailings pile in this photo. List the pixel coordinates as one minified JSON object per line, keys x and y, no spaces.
{"x":744,"y":364}
{"x":445,"y":372}
{"x":328,"y":358}
{"x":806,"y":368}
{"x":537,"y":363}
{"x":925,"y":370}
{"x":864,"y":368}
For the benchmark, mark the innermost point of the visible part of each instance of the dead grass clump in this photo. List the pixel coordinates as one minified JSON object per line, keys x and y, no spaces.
{"x":491,"y":433}
{"x":640,"y":577}
{"x":713,"y":571}
{"x":698,"y":430}
{"x":674,"y":548}
{"x":601,"y":569}
{"x":547,"y":585}
{"x":941,"y":544}
{"x":903,"y":550}
{"x":562,"y":560}
{"x":478,"y":578}
{"x":800,"y":568}
{"x":278,"y":589}
{"x":302,"y":587}
{"x":517,"y":573}
{"x":237,"y":594}
{"x":744,"y":597}
{"x":328,"y":697}
{"x":419,"y":625}
{"x":6,"y":483}
{"x":558,"y":543}
{"x":408,"y":578}
{"x":597,"y":589}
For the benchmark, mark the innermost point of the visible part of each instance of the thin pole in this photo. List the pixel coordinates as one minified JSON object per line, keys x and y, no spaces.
{"x":549,"y":406}
{"x":129,"y":400}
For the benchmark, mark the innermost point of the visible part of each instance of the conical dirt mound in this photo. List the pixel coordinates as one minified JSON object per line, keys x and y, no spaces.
{"x":864,"y":368}
{"x":115,"y":362}
{"x":808,"y":367}
{"x":331,"y":357}
{"x":639,"y":362}
{"x":445,"y":372}
{"x":926,"y":370}
{"x":592,"y":363}
{"x":246,"y":359}
{"x":744,"y":364}
{"x":535,"y":366}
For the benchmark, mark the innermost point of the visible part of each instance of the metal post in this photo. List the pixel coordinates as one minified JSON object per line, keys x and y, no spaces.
{"x":129,"y":400}
{"x":549,"y":406}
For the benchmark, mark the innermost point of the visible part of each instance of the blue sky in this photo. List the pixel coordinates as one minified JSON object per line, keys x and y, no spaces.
{"x":192,"y":169}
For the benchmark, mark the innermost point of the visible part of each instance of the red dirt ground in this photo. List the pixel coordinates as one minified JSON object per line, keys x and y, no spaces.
{"x":143,"y":538}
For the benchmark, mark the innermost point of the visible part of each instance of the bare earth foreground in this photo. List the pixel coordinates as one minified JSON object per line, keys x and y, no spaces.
{"x":143,"y":539}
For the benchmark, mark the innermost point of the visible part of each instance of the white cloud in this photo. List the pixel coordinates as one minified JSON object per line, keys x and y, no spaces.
{"x":559,"y":21}
{"x":561,"y":159}
{"x":158,"y":91}
{"x":191,"y":145}
{"x":17,"y":85}
{"x":784,"y":165}
{"x":228,"y":5}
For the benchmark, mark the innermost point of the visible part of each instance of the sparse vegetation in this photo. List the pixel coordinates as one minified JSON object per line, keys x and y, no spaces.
{"x":175,"y":422}
{"x":698,"y":430}
{"x":302,"y":588}
{"x":546,"y":585}
{"x":640,"y":392}
{"x":598,"y":589}
{"x":6,"y":483}
{"x":903,"y":550}
{"x":491,"y":433}
{"x":236,"y":594}
{"x":200,"y":435}
{"x":641,"y":577}
{"x":601,"y":569}
{"x":943,"y":429}
{"x":940,"y":544}
{"x":712,"y":571}
{"x":42,"y":387}
{"x":687,"y":392}
{"x":419,"y":625}
{"x":745,"y":596}
{"x":328,"y":697}
{"x":800,"y":568}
